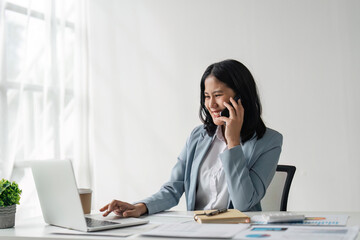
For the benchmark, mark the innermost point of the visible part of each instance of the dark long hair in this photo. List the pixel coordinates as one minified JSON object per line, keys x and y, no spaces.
{"x":236,"y":76}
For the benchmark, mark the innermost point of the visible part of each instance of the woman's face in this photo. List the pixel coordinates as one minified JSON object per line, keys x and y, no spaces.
{"x":216,"y":93}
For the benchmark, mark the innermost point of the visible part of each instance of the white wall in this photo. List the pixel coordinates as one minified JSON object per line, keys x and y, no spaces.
{"x":147,"y":58}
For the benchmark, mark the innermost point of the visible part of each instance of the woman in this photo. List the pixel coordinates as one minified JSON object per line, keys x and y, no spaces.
{"x":228,"y":162}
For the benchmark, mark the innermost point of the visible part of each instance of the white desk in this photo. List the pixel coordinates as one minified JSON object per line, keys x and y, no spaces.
{"x":32,"y":229}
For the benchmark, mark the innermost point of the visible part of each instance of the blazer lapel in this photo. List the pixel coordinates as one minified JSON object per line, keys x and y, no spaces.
{"x":201,"y":150}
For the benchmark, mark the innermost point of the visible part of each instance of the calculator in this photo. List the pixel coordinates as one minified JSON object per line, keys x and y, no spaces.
{"x":278,"y":217}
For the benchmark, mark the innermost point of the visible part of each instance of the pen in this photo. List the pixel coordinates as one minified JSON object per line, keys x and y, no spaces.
{"x":218,"y":211}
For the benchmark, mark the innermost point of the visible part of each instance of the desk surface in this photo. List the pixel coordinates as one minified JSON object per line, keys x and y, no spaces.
{"x":36,"y":228}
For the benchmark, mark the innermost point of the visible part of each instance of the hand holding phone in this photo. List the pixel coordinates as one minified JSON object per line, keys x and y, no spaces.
{"x":233,"y":125}
{"x":225,"y":112}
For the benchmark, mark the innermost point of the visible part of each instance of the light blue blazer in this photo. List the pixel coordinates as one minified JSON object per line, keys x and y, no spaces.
{"x":248,"y":168}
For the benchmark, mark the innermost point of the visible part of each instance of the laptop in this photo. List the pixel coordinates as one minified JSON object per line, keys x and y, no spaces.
{"x":60,"y":201}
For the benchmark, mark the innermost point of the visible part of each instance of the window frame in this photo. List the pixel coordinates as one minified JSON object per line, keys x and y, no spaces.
{"x":6,"y":86}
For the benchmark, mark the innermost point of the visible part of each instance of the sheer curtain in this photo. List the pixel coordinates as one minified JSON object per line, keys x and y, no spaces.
{"x":43,"y":90}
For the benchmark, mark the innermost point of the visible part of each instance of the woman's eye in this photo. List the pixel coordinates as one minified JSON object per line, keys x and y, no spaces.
{"x":207,"y":96}
{"x":218,"y":95}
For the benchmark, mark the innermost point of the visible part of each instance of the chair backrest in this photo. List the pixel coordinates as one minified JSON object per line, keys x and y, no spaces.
{"x":277,"y":193}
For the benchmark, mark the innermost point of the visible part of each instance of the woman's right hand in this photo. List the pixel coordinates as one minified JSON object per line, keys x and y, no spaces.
{"x":124,"y":209}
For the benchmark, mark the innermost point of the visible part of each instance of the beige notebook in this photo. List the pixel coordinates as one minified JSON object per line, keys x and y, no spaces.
{"x":230,"y":216}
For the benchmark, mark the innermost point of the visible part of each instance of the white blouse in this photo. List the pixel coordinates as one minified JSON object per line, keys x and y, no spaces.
{"x":212,"y":192}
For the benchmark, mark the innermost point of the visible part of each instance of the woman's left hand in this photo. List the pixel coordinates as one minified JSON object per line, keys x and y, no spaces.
{"x":233,"y":123}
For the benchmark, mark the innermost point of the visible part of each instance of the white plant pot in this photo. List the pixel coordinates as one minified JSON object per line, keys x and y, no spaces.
{"x":7,"y":216}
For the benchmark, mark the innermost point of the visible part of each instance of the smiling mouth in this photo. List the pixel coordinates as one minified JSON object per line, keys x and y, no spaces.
{"x":216,"y":114}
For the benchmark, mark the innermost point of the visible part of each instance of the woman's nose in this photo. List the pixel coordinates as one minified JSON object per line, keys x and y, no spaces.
{"x":213,"y":102}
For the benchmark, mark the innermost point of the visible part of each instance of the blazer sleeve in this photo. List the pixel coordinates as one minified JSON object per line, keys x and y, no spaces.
{"x":247,"y":180}
{"x":170,"y":193}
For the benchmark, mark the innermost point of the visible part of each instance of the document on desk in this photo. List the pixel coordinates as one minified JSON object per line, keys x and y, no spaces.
{"x":326,"y":220}
{"x":195,"y":230}
{"x":118,"y":232}
{"x":171,"y":217}
{"x":280,"y":232}
{"x":311,"y":220}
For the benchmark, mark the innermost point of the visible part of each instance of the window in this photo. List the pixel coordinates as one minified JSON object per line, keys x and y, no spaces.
{"x":37,"y":86}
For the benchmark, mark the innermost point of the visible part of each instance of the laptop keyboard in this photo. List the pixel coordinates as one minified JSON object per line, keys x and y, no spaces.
{"x":90,"y":222}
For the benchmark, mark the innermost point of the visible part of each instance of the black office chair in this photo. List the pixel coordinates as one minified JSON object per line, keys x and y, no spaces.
{"x":277,"y":193}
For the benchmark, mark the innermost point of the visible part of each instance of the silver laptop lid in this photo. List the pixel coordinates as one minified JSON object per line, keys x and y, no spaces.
{"x":58,"y":194}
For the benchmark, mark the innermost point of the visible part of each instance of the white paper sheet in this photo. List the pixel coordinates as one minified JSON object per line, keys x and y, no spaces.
{"x":323,"y":220}
{"x":170,"y":217}
{"x":280,"y":232}
{"x":327,"y":220}
{"x":182,"y":214}
{"x":118,"y":232}
{"x":196,"y":230}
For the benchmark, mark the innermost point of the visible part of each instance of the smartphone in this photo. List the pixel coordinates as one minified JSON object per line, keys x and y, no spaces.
{"x":225,"y":112}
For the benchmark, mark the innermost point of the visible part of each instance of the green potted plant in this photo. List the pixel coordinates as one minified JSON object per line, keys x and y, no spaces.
{"x":9,"y":197}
